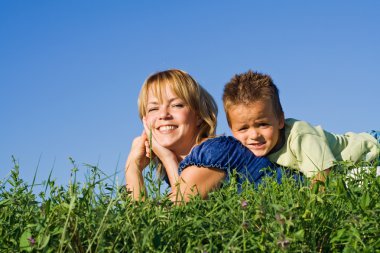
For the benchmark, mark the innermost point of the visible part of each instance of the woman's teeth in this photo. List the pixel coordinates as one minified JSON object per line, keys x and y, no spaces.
{"x":166,"y":128}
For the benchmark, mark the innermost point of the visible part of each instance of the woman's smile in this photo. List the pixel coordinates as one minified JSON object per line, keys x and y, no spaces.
{"x":172,"y":121}
{"x":166,"y":128}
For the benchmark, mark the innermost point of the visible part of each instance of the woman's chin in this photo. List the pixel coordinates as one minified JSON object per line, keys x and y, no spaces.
{"x":167,"y":144}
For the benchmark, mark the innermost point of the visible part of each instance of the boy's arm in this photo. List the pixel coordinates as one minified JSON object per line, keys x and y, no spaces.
{"x":321,"y":176}
{"x":313,"y":155}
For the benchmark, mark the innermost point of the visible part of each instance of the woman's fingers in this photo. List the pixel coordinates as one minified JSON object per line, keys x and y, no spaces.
{"x":137,"y":153}
{"x":148,"y":131}
{"x":147,"y":149}
{"x":153,"y":148}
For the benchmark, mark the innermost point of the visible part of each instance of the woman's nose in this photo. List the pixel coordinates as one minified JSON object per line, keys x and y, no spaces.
{"x":164,"y":113}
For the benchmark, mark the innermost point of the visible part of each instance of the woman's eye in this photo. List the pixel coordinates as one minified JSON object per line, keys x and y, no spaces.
{"x":152,"y":109}
{"x":179,"y":105}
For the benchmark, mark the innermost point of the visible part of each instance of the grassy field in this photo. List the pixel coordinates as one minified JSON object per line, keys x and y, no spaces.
{"x":96,"y":216}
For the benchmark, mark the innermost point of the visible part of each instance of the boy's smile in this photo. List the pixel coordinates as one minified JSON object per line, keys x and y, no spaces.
{"x":256,"y":126}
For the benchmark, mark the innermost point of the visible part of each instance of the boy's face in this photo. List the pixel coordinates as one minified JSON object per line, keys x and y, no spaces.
{"x":256,"y":126}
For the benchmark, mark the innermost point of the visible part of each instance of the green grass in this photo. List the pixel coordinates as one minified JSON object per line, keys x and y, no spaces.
{"x":95,"y":216}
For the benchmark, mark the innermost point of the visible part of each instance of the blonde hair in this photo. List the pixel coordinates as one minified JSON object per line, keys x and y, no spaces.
{"x":187,"y":89}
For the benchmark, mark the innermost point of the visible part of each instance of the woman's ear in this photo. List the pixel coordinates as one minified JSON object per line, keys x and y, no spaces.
{"x":199,"y":121}
{"x":282,"y":121}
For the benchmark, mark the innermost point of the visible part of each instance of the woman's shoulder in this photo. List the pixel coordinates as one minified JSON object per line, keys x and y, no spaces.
{"x":220,"y":140}
{"x":218,"y":152}
{"x":220,"y":148}
{"x":219,"y":145}
{"x":228,"y":154}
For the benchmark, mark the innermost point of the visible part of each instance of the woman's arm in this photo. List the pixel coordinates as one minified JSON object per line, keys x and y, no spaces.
{"x":193,"y":180}
{"x":196,"y":180}
{"x":134,"y":167}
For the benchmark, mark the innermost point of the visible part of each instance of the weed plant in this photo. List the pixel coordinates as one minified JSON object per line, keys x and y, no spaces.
{"x":342,"y":215}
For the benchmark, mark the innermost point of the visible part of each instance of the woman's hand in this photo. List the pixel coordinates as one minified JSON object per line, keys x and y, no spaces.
{"x":136,"y":162}
{"x":167,"y":157}
{"x":138,"y":155}
{"x":153,"y":148}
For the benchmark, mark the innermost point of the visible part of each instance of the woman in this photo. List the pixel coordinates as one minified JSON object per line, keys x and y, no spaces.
{"x":181,"y":117}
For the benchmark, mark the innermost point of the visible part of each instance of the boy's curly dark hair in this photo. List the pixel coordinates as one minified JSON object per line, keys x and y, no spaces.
{"x":250,"y":87}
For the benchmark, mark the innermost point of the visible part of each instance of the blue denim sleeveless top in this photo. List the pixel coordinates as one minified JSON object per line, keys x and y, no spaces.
{"x":228,"y":154}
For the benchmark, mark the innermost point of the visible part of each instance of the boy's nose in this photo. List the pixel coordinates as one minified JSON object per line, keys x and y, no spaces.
{"x":253,"y":134}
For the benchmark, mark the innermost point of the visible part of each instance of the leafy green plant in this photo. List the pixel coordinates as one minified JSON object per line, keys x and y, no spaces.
{"x":99,"y":216}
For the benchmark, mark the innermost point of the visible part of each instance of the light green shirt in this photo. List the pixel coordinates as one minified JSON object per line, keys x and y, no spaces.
{"x":311,"y":149}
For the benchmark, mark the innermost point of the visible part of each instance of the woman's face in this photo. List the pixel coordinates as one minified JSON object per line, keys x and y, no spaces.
{"x":173,"y":124}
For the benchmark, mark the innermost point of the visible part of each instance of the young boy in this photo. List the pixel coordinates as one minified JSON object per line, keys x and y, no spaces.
{"x":255,"y":116}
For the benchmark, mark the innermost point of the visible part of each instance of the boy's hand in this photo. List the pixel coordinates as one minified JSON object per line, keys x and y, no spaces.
{"x":320,"y":177}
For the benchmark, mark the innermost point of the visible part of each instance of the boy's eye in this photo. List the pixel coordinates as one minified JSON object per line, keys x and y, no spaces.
{"x":263,"y":124}
{"x":242,"y":129}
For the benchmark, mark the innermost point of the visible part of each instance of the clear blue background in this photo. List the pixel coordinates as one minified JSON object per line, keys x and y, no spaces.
{"x":70,"y":71}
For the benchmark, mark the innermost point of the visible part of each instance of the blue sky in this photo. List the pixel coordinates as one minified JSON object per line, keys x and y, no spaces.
{"x":70,"y":71}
